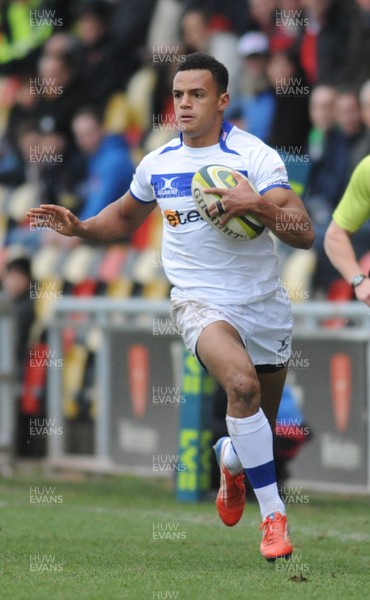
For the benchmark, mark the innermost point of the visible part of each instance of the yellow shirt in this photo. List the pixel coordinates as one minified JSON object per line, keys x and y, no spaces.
{"x":27,"y":31}
{"x":354,"y":208}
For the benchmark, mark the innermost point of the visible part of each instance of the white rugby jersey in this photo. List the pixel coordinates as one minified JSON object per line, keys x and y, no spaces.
{"x":198,"y":260}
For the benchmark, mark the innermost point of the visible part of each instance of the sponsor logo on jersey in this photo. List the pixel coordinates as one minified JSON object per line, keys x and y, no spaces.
{"x":175,"y":217}
{"x":172,"y":185}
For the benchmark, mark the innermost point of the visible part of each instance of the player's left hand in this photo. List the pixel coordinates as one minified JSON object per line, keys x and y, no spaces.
{"x":236,"y":201}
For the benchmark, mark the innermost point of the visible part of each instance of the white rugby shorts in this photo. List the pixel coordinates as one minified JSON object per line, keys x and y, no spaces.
{"x":265,"y":327}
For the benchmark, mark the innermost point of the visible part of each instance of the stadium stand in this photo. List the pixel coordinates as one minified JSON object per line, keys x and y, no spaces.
{"x":128,"y":94}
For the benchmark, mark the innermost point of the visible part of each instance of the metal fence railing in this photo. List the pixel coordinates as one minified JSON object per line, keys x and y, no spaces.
{"x":118,"y":323}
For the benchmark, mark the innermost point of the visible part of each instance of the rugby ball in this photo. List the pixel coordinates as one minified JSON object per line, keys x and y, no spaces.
{"x":237,"y":228}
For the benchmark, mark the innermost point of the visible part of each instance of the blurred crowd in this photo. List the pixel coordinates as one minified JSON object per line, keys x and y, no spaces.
{"x":85,"y":92}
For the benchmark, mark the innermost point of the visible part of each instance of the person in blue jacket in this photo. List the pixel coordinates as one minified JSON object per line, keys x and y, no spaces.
{"x":253,"y":107}
{"x":109,"y":164}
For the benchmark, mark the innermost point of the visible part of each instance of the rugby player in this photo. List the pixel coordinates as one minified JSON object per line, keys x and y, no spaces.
{"x":227,"y":299}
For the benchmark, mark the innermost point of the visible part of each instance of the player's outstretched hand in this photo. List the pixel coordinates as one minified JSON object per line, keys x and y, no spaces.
{"x":50,"y":216}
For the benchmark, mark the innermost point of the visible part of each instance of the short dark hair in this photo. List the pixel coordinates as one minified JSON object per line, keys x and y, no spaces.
{"x":90,"y":110}
{"x":20,"y":265}
{"x":198,"y":60}
{"x":100,"y":9}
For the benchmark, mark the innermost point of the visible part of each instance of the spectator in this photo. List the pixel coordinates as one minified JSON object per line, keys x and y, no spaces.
{"x":99,"y":56}
{"x":61,"y":171}
{"x":11,"y":168}
{"x":26,"y":170}
{"x":291,"y":124}
{"x":357,"y":63}
{"x":211,"y":28}
{"x":129,"y":29}
{"x":62,"y":44}
{"x":322,"y":44}
{"x":23,"y":107}
{"x":21,"y":37}
{"x":16,"y":286}
{"x":254,"y":105}
{"x":194,"y":29}
{"x":44,"y":160}
{"x":361,"y":147}
{"x":328,"y":153}
{"x":348,"y":118}
{"x":59,"y":91}
{"x":109,"y":165}
{"x":262,"y":16}
{"x":289,"y":20}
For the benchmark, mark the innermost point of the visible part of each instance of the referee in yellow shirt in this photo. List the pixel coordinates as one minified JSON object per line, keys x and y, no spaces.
{"x":351,"y":213}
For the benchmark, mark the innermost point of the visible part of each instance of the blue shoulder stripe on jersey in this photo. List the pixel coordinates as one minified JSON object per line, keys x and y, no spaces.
{"x":170,"y":148}
{"x":139,"y":200}
{"x":226,"y":128}
{"x":276,"y":185}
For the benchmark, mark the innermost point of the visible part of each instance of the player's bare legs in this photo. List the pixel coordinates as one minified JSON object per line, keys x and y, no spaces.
{"x":221,"y":350}
{"x":271,"y":387}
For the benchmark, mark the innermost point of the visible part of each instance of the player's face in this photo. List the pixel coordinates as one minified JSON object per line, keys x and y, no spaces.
{"x":198,"y":107}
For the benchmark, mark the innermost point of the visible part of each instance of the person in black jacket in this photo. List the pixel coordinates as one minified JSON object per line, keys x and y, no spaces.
{"x":291,"y":124}
{"x":16,"y":284}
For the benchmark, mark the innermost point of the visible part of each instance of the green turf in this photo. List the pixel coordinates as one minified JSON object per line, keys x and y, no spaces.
{"x":100,"y":539}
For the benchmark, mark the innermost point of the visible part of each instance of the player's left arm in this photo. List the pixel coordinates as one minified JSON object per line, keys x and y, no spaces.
{"x":279,"y":209}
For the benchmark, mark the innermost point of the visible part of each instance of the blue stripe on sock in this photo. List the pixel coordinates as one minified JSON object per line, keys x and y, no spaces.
{"x":262,"y":475}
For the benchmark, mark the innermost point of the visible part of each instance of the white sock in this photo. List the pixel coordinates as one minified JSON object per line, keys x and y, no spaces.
{"x":252,"y":440}
{"x":231,"y":460}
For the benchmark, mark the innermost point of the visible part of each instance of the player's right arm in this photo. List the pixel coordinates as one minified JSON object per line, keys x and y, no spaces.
{"x":114,"y":222}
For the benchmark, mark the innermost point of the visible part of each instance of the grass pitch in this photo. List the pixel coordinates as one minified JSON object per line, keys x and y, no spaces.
{"x":128,"y":538}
